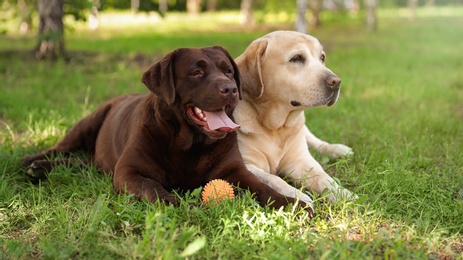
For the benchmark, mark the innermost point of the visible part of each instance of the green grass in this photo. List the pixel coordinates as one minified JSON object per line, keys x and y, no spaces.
{"x":400,"y":109}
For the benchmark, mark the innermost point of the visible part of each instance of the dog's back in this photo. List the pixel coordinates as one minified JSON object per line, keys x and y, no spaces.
{"x":121,"y":120}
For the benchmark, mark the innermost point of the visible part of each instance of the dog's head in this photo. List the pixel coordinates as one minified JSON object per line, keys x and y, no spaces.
{"x":204,"y":84}
{"x":288,"y":67}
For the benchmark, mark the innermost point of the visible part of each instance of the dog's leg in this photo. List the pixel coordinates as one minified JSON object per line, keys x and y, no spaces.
{"x":81,"y":136}
{"x":280,"y":185}
{"x":266,"y":195}
{"x":129,"y":180}
{"x":131,"y":177}
{"x":331,"y":150}
{"x":38,"y":169}
{"x":305,"y":170}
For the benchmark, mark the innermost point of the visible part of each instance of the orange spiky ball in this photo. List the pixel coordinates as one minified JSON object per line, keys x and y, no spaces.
{"x":216,"y":191}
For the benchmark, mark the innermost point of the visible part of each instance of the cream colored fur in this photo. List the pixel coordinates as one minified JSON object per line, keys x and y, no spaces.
{"x":282,"y":74}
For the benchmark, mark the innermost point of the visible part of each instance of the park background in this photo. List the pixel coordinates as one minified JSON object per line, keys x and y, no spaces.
{"x":400,"y":109}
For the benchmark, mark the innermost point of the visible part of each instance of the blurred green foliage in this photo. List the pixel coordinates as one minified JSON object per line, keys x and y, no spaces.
{"x":24,"y":11}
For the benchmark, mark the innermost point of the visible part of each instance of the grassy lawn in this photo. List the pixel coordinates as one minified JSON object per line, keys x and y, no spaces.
{"x":401,"y":109}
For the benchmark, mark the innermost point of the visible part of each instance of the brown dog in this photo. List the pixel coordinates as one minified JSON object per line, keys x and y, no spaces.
{"x":178,"y":136}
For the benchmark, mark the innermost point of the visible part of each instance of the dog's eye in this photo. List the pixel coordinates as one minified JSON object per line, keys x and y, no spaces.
{"x":297,"y":58}
{"x":197,"y":73}
{"x":228,"y":71}
{"x":323,"y":57}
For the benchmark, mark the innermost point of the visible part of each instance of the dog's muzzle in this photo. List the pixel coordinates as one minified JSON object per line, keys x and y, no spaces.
{"x":333,"y":82}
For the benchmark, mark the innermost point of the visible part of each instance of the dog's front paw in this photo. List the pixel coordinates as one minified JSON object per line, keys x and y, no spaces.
{"x":306,"y":199}
{"x":171,"y":200}
{"x":311,"y":211}
{"x":308,"y":207}
{"x":335,"y":151}
{"x":37,"y":170}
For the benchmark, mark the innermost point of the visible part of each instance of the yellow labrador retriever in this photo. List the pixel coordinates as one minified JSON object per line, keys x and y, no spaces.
{"x":282,"y":74}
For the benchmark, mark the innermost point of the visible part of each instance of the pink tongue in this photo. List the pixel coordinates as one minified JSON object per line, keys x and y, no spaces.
{"x":220,"y":121}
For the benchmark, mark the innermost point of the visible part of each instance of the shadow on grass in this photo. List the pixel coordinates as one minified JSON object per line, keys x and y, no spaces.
{"x":141,"y":60}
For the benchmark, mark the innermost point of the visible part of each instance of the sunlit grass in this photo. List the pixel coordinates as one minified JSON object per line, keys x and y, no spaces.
{"x":128,"y":23}
{"x":422,"y":12}
{"x":400,"y":109}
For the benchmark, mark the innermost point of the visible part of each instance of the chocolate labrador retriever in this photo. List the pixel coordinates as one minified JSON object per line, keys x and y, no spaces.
{"x":178,"y":136}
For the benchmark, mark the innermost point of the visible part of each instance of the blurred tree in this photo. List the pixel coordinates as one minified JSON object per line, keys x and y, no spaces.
{"x":50,"y":43}
{"x":354,"y":7}
{"x":193,"y":6}
{"x":22,"y":9}
{"x":51,"y":39}
{"x":412,"y":4}
{"x":316,"y":7}
{"x":246,"y":12}
{"x":211,"y":5}
{"x":371,"y":21}
{"x":163,"y":6}
{"x":301,"y":22}
{"x":25,"y":10}
{"x":134,"y":5}
{"x":51,"y":28}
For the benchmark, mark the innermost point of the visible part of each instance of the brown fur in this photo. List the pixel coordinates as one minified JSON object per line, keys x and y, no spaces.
{"x":150,"y":141}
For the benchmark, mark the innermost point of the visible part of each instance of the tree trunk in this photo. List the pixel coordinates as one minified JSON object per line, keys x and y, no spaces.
{"x":246,"y":12}
{"x":134,"y":6}
{"x":25,"y":13}
{"x":212,"y":5}
{"x":315,"y":7}
{"x":370,"y":6}
{"x":412,"y":4}
{"x":193,"y":6}
{"x":51,"y":30}
{"x":301,"y":22}
{"x":355,"y":7}
{"x":94,"y":18}
{"x":163,"y":6}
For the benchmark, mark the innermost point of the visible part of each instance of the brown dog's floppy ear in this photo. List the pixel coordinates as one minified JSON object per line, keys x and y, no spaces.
{"x":250,"y":63}
{"x":159,"y":78}
{"x":236,"y":75}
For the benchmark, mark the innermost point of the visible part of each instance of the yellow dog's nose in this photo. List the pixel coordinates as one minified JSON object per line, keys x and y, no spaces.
{"x":333,"y":81}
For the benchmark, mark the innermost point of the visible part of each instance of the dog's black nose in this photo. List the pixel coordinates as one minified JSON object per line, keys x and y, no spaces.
{"x":333,"y":82}
{"x":230,"y":90}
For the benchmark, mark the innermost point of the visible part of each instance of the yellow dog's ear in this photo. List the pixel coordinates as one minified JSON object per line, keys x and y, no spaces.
{"x":159,"y":78}
{"x":250,"y":64}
